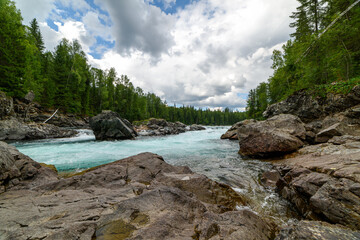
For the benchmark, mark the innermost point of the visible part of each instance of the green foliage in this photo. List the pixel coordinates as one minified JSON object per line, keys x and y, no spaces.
{"x":12,"y":49}
{"x":343,"y":87}
{"x":329,"y":64}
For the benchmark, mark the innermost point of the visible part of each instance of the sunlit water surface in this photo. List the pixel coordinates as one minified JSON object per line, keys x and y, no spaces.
{"x":203,"y":151}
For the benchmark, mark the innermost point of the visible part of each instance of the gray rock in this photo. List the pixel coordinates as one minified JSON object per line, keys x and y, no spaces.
{"x":232,"y":132}
{"x":6,"y":105}
{"x":140,"y":197}
{"x":278,"y":135}
{"x":308,"y":108}
{"x":324,"y":187}
{"x":13,"y":129}
{"x":196,"y":127}
{"x":109,"y":125}
{"x":315,"y":230}
{"x":160,"y":127}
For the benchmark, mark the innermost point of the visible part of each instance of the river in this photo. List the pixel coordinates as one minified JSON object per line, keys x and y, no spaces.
{"x":203,"y":151}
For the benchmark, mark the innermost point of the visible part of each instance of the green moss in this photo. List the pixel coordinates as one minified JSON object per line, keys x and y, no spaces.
{"x":115,"y":230}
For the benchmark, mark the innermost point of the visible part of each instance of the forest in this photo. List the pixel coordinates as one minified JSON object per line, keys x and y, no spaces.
{"x":64,"y":79}
{"x":322,"y":55}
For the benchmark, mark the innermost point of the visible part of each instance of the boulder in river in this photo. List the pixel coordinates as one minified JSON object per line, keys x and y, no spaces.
{"x":109,"y":125}
{"x":231,"y":133}
{"x":159,"y":127}
{"x":275,"y":136}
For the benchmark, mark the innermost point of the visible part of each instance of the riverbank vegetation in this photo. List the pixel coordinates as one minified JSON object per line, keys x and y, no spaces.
{"x":64,"y":79}
{"x":320,"y":57}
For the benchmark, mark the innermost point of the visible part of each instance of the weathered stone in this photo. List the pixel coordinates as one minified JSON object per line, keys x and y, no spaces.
{"x":232,"y":132}
{"x":16,"y":168}
{"x":159,"y":127}
{"x":308,"y":108}
{"x":269,"y":144}
{"x":29,"y":97}
{"x":324,"y":187}
{"x":140,"y":197}
{"x":196,"y":127}
{"x":300,"y":104}
{"x":13,"y":129}
{"x":270,"y":178}
{"x":316,"y":230}
{"x":276,"y":136}
{"x":109,"y":125}
{"x":328,"y":133}
{"x":6,"y":105}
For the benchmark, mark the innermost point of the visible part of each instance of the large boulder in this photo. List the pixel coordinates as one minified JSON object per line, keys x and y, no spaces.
{"x":109,"y":125}
{"x":278,"y":135}
{"x":17,"y":168}
{"x":231,"y":133}
{"x":140,"y":197}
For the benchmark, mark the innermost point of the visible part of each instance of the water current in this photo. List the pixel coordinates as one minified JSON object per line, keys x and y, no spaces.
{"x":203,"y":151}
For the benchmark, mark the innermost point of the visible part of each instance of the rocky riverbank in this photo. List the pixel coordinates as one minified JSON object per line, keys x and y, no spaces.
{"x":23,"y":120}
{"x":140,"y":197}
{"x":160,"y":127}
{"x":314,"y":145}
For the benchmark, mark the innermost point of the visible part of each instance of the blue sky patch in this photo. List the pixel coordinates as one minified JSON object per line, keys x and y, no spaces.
{"x":180,"y":4}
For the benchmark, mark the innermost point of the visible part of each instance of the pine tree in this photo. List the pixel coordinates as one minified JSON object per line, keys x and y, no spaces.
{"x":12,"y":49}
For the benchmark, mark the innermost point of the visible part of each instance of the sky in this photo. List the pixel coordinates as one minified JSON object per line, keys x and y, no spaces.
{"x":203,"y":53}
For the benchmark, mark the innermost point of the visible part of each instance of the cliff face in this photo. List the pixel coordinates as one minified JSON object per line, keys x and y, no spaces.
{"x":309,"y":108}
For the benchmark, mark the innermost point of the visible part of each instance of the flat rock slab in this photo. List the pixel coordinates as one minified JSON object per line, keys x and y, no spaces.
{"x":325,"y":187}
{"x":140,"y":197}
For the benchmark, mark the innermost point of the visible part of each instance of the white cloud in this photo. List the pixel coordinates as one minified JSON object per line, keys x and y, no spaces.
{"x":204,"y":55}
{"x":39,"y":9}
{"x":220,"y":49}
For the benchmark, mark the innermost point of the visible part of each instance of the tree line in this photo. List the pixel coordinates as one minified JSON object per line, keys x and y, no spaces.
{"x":64,"y":79}
{"x":312,"y":60}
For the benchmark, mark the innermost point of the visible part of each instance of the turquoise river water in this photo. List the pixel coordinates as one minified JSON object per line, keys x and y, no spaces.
{"x":203,"y":151}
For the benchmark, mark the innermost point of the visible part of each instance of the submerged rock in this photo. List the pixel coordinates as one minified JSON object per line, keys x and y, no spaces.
{"x":140,"y":197}
{"x":278,"y":135}
{"x":109,"y":125}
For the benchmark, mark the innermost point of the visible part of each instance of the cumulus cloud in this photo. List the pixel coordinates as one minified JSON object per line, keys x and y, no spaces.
{"x":208,"y":54}
{"x":139,"y":26}
{"x":220,"y":50}
{"x":40,"y":10}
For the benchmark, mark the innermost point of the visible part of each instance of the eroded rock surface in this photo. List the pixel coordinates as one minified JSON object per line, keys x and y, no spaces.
{"x":140,"y":197}
{"x":109,"y":125}
{"x":278,"y":135}
{"x":13,"y":129}
{"x":232,"y":132}
{"x":308,"y":108}
{"x":323,"y":187}
{"x":315,"y":230}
